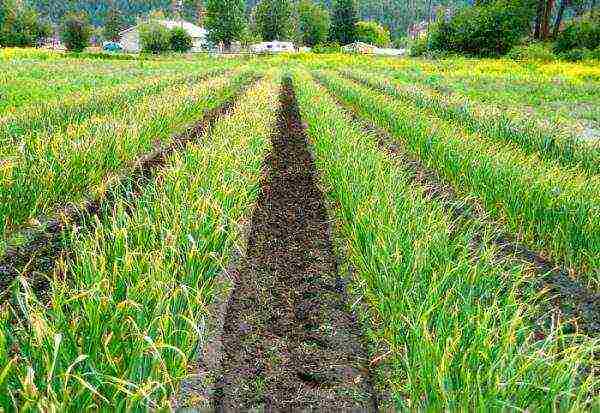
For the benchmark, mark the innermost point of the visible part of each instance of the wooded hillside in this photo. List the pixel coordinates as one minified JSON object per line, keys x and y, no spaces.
{"x":395,"y":14}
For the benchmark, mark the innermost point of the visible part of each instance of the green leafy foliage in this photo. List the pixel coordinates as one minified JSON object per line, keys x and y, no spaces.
{"x":343,"y":22}
{"x":314,"y":22}
{"x":154,"y":37}
{"x":578,"y":55}
{"x":179,"y":40}
{"x":536,"y":52}
{"x":20,"y":25}
{"x":274,"y":19}
{"x":226,"y":21}
{"x":582,"y":34}
{"x":373,"y":33}
{"x":488,"y":29}
{"x":76,"y":31}
{"x":327,"y":48}
{"x":397,"y":15}
{"x":113,"y":24}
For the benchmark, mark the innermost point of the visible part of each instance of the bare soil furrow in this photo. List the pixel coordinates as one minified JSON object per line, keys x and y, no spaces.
{"x":35,"y":259}
{"x":289,"y":341}
{"x":571,"y":300}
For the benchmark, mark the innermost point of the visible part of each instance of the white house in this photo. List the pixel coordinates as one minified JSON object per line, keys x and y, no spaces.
{"x":130,"y":38}
{"x":273,"y":47}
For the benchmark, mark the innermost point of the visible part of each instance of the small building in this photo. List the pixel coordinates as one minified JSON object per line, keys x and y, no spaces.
{"x":273,"y":47}
{"x":130,"y":38}
{"x":389,"y":52}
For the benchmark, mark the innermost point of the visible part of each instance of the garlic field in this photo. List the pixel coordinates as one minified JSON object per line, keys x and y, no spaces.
{"x":298,"y":232}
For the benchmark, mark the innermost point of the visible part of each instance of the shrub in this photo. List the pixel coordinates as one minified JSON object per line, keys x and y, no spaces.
{"x":20,"y":25}
{"x":537,"y":52}
{"x":180,"y":41}
{"x":419,"y":47}
{"x":575,"y":55}
{"x":372,"y":33}
{"x":594,"y":54}
{"x":154,"y":37}
{"x":582,"y":34}
{"x":401,"y":42}
{"x":76,"y":31}
{"x":489,"y":29}
{"x":327,"y":48}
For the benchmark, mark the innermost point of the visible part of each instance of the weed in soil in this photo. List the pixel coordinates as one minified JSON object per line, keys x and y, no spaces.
{"x":289,"y":342}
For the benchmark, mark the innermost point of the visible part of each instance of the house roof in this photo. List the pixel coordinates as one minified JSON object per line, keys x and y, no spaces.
{"x":190,"y":28}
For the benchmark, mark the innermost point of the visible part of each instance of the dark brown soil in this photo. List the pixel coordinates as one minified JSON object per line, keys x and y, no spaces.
{"x":570,"y":299}
{"x":35,"y":258}
{"x":289,"y":341}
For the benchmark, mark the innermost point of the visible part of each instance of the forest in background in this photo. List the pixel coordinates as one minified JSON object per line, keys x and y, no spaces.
{"x":397,"y":15}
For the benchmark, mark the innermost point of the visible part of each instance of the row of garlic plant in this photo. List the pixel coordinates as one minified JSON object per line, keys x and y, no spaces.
{"x":447,"y":330}
{"x":558,"y":95}
{"x":506,"y":83}
{"x":550,"y":208}
{"x":67,"y":166}
{"x":122,"y":328}
{"x":490,"y":121}
{"x":24,"y":81}
{"x":55,"y":116}
{"x":27,"y":81}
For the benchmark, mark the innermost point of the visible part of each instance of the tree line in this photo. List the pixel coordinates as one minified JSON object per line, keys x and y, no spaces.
{"x":395,"y":15}
{"x":517,"y":27}
{"x":482,"y":27}
{"x":305,"y":22}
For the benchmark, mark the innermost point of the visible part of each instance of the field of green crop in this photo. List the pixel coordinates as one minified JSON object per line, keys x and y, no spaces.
{"x":462,"y":195}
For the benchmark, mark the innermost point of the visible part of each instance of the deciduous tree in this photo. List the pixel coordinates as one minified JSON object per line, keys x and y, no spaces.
{"x":113,"y":24}
{"x":273,"y":19}
{"x":21,"y":25}
{"x":372,"y":33}
{"x":76,"y":31}
{"x":179,"y":40}
{"x":154,"y":37}
{"x":225,"y":21}
{"x":313,"y":23}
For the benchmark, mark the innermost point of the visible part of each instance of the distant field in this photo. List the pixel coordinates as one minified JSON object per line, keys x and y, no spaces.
{"x":324,"y":231}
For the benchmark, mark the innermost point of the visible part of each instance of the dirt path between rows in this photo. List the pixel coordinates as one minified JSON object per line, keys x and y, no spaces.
{"x":571,"y":301}
{"x":289,"y":341}
{"x":36,"y":259}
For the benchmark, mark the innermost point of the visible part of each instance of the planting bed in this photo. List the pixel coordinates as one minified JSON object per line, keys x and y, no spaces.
{"x":574,"y":302}
{"x":323,"y":232}
{"x":289,"y":342}
{"x":37,"y":255}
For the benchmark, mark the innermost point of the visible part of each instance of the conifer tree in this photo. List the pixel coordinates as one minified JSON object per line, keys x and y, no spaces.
{"x":114,"y":23}
{"x":343,"y":21}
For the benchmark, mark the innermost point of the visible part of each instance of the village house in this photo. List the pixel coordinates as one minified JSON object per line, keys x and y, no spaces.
{"x":130,"y":38}
{"x":273,"y":47}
